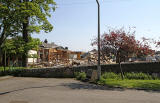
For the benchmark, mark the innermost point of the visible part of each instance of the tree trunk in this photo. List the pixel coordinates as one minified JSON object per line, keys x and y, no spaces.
{"x":1,"y":57}
{"x":5,"y":61}
{"x":118,"y":59}
{"x":33,"y":60}
{"x":8,"y":61}
{"x":3,"y":36}
{"x":120,"y":66}
{"x":26,"y":40}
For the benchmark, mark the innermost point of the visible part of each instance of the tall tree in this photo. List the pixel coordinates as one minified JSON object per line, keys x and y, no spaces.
{"x":9,"y":25}
{"x":9,"y":22}
{"x":15,"y":47}
{"x":24,"y":17}
{"x":34,"y":18}
{"x":144,"y":47}
{"x":122,"y":44}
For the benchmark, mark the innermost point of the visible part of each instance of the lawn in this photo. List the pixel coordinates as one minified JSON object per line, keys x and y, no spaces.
{"x":137,"y":84}
{"x":132,"y":80}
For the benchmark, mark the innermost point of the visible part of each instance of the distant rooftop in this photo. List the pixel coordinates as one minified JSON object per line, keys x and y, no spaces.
{"x":53,"y":45}
{"x":49,"y":45}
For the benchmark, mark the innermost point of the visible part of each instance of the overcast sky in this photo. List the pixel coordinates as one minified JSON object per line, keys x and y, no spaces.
{"x":75,"y":21}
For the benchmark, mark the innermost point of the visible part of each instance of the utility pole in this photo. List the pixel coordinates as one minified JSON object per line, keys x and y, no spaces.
{"x":99,"y":63}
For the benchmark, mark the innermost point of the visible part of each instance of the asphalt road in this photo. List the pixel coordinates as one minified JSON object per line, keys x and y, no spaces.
{"x":50,"y":90}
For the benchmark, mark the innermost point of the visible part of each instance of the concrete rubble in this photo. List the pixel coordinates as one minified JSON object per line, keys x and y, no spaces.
{"x":88,"y":58}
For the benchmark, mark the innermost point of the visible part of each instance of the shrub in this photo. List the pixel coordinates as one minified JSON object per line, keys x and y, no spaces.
{"x":155,"y":77}
{"x":102,"y":81}
{"x":130,"y":76}
{"x":142,"y":76}
{"x":80,"y":76}
{"x":110,"y":75}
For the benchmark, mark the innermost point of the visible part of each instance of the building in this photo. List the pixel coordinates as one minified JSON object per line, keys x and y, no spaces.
{"x":32,"y":56}
{"x":52,"y":53}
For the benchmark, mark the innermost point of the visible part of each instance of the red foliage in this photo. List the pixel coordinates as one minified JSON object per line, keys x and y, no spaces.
{"x":123,"y":44}
{"x":119,"y":39}
{"x":144,"y":47}
{"x":158,"y":44}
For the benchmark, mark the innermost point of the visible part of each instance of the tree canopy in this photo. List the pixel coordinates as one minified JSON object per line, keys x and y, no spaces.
{"x":37,"y":12}
{"x":16,"y":46}
{"x":9,"y":25}
{"x":24,"y":17}
{"x":123,"y":45}
{"x":13,"y":14}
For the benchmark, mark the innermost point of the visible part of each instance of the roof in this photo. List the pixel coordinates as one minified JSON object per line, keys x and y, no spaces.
{"x":49,"y":45}
{"x":53,"y":45}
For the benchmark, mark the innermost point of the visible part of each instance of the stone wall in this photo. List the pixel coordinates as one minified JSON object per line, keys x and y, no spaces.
{"x":145,"y":67}
{"x":43,"y":73}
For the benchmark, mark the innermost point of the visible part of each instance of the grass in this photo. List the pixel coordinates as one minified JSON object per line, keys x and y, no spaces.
{"x":132,"y":80}
{"x":137,"y":84}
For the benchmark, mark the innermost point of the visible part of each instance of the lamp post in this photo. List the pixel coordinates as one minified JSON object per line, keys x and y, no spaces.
{"x":98,"y":64}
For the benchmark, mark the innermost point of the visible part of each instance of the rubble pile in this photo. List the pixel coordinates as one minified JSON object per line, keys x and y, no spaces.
{"x":89,"y":58}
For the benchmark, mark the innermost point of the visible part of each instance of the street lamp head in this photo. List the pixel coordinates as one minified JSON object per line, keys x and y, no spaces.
{"x":98,"y":1}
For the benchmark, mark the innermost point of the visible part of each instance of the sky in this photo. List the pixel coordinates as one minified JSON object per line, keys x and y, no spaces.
{"x":75,"y":21}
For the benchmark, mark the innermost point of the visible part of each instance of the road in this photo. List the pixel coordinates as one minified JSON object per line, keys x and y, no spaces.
{"x":50,"y":90}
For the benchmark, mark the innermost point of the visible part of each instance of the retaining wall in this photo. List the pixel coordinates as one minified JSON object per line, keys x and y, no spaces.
{"x":145,"y":67}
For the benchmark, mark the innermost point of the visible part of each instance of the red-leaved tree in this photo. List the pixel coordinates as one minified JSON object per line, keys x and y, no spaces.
{"x":123,"y":45}
{"x":157,"y":44}
{"x":144,"y":47}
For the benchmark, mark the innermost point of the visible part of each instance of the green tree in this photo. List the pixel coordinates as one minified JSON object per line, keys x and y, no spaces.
{"x":34,"y":18}
{"x":16,"y":47}
{"x":9,"y":21}
{"x":24,"y":17}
